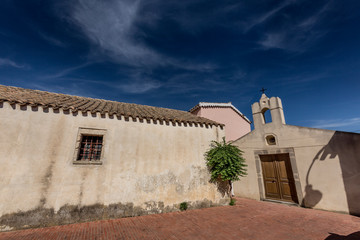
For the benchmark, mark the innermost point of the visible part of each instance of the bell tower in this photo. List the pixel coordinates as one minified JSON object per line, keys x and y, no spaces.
{"x":265,"y":104}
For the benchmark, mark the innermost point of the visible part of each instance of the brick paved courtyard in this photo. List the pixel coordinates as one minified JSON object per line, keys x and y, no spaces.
{"x":249,"y":219}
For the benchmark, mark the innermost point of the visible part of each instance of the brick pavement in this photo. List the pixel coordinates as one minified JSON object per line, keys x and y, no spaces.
{"x":249,"y":219}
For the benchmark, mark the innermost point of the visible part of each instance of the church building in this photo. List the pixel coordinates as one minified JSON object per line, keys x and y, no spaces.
{"x":310,"y":167}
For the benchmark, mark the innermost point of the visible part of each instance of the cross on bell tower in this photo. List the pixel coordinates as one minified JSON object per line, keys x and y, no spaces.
{"x":263,"y":90}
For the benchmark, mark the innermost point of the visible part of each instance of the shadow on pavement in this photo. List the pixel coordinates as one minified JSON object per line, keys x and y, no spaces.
{"x":352,"y":236}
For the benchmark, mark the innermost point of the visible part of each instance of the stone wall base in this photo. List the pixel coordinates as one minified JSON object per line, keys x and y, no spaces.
{"x":45,"y":217}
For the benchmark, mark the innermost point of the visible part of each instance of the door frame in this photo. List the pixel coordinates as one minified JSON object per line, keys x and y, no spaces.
{"x":294,"y":169}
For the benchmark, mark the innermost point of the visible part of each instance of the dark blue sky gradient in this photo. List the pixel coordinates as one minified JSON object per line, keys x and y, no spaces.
{"x":177,"y":53}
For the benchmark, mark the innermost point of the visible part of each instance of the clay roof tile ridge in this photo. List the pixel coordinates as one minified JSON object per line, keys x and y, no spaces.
{"x":59,"y":100}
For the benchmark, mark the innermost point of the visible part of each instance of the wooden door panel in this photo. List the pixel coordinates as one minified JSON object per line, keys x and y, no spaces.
{"x":269,"y":170}
{"x":270,"y":177}
{"x":278,"y":178}
{"x":272,"y":190}
{"x":286,"y":191}
{"x":284,"y":167}
{"x":281,"y":166}
{"x":286,"y":179}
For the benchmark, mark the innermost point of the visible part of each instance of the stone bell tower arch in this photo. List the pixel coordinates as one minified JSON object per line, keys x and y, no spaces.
{"x":265,"y":104}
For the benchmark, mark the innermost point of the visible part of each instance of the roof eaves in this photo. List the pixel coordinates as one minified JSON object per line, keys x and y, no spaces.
{"x":46,"y":99}
{"x":211,"y":104}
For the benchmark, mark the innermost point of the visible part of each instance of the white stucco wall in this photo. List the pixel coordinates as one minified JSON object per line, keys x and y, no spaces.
{"x":329,"y":158}
{"x":143,"y":162}
{"x":325,"y":164}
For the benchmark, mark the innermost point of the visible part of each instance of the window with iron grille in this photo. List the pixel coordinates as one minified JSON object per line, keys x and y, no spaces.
{"x":90,"y":148}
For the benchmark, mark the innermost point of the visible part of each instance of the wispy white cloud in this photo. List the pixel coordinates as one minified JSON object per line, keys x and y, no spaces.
{"x":193,"y":65}
{"x":52,"y":40}
{"x":220,"y":82}
{"x":303,"y":79}
{"x":274,"y":40}
{"x":257,"y":20}
{"x":294,"y":32}
{"x":292,"y":41}
{"x":312,"y":20}
{"x":112,"y":28}
{"x":72,"y":88}
{"x":139,"y":86}
{"x":336,"y":123}
{"x":64,"y":72}
{"x":135,"y":81}
{"x":296,"y":36}
{"x":110,"y":25}
{"x":11,"y":63}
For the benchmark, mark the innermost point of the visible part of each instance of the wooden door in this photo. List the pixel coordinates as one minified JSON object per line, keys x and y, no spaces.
{"x":278,"y":178}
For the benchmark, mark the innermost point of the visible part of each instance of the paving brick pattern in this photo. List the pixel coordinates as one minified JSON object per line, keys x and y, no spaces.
{"x":249,"y":219}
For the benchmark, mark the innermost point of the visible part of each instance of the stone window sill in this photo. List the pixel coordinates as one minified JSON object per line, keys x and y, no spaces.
{"x":87,"y":162}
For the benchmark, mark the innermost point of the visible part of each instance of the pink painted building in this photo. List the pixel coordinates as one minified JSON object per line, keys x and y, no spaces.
{"x":236,"y":124}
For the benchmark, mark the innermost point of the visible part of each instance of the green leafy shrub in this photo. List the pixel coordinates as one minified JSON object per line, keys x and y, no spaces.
{"x":232,"y":201}
{"x":183,"y":206}
{"x":225,"y":162}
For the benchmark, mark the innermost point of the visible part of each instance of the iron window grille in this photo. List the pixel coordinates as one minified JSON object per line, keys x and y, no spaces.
{"x":90,"y":148}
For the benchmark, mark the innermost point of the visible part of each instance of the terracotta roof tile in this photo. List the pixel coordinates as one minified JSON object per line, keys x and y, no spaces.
{"x":83,"y":104}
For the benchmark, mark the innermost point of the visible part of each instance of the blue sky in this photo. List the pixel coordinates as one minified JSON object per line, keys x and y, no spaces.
{"x":175,"y":54}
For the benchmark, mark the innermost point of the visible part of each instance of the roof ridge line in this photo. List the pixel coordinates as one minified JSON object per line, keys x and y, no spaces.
{"x":25,"y":96}
{"x":214,"y":104}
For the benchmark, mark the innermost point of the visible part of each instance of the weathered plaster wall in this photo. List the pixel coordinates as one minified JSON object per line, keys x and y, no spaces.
{"x":327,"y":162}
{"x":235,"y":125}
{"x":146,"y":168}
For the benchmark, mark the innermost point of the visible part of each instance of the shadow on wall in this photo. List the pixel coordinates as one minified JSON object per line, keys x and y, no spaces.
{"x":347,"y":147}
{"x":312,"y":196}
{"x":223,"y":187}
{"x":352,"y":236}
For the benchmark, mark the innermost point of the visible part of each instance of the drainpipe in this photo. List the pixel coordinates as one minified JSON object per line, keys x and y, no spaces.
{"x":232,"y":189}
